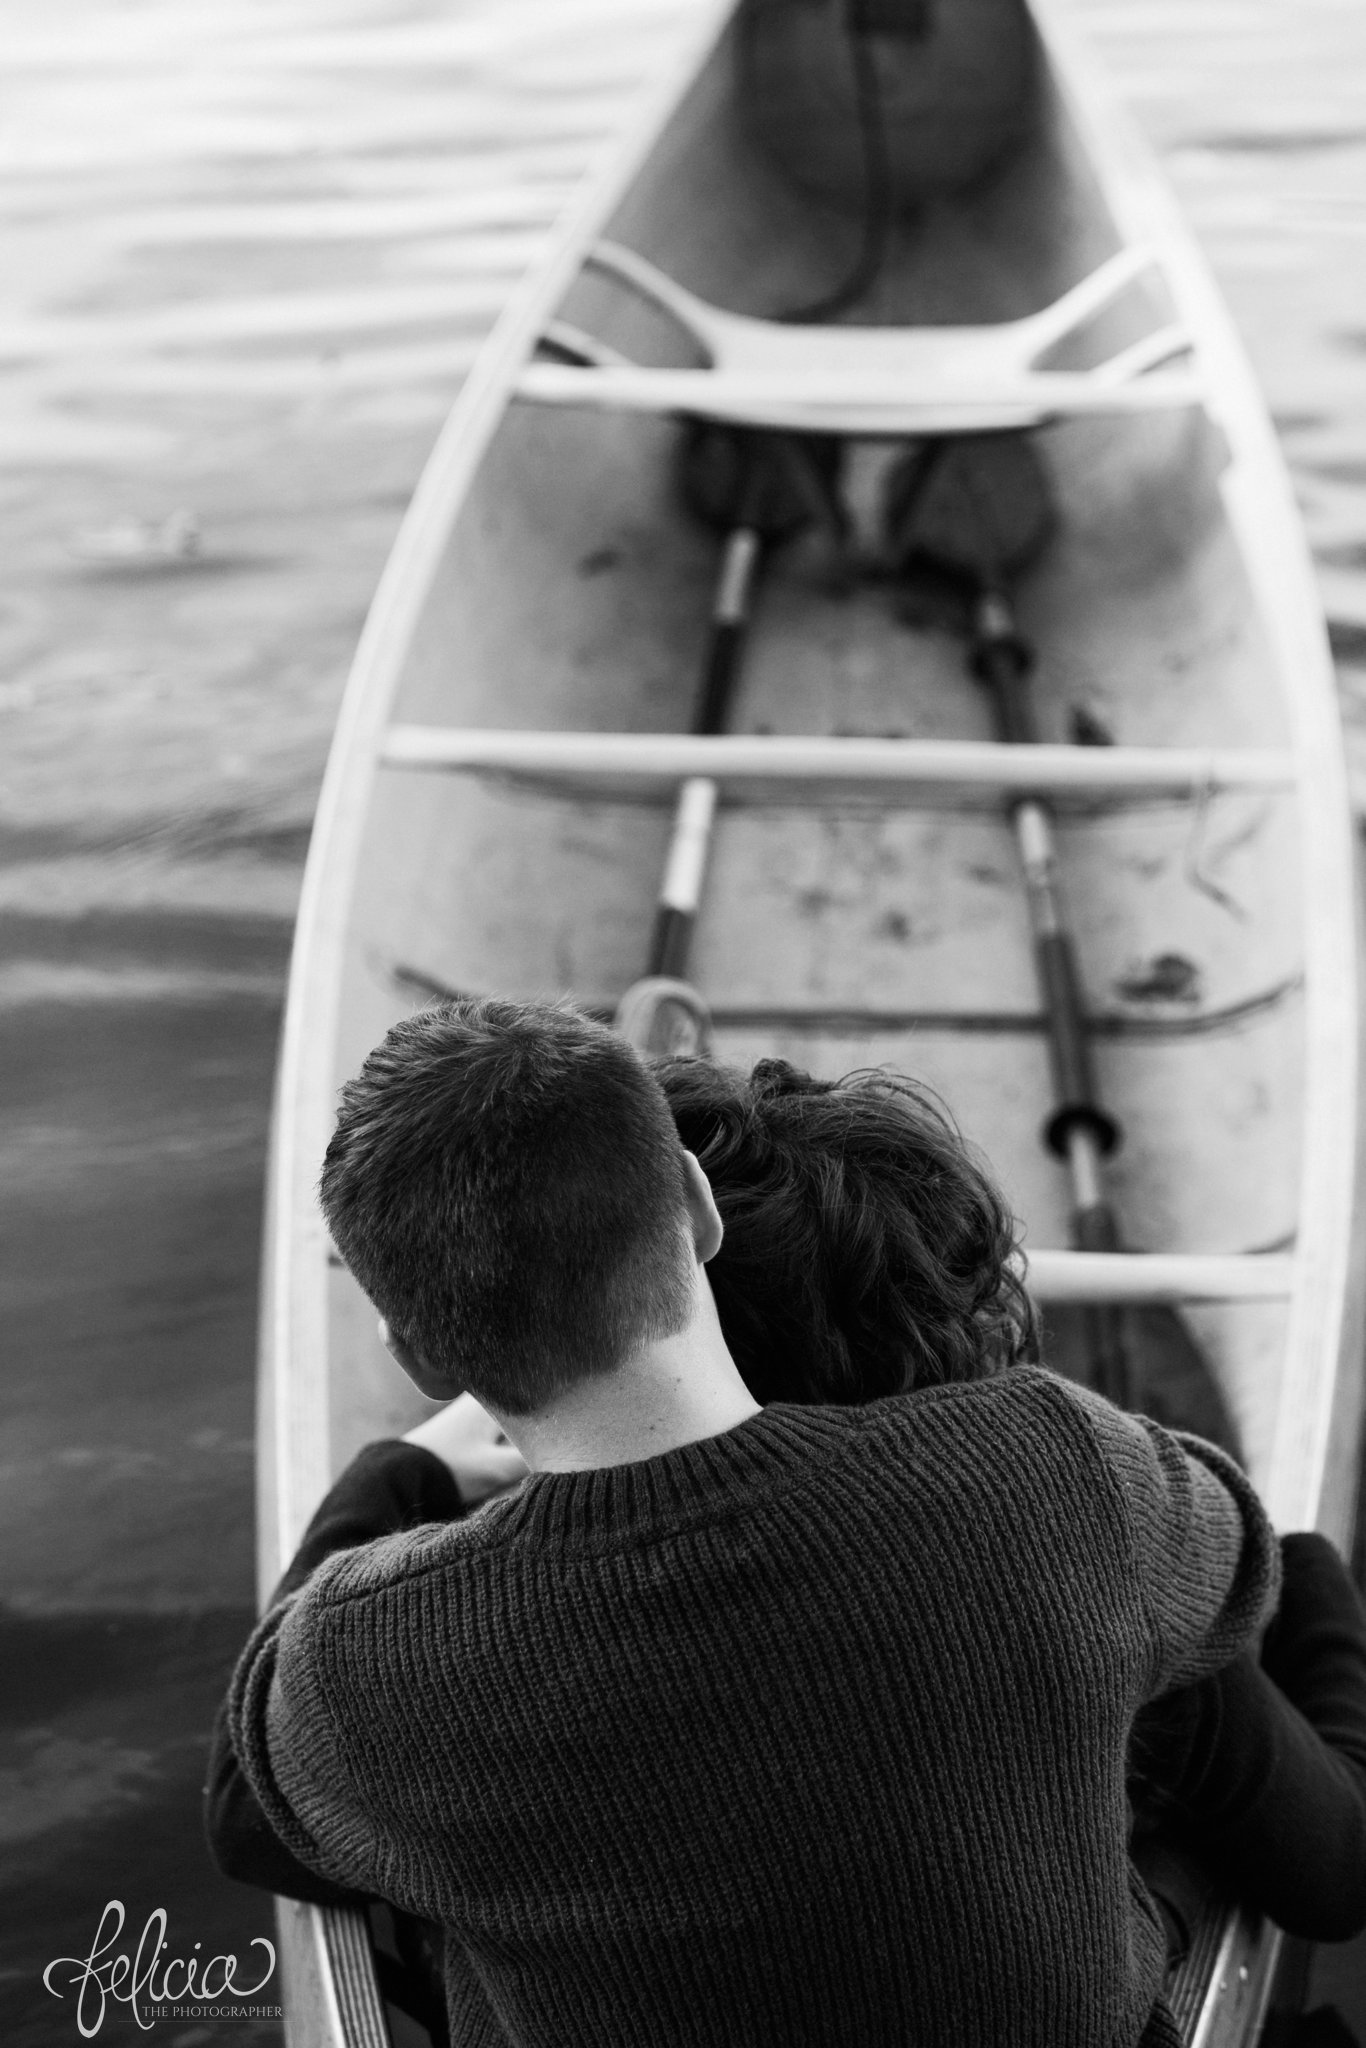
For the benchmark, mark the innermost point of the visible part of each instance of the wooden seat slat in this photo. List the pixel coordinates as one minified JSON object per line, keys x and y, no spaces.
{"x":863,"y":379}
{"x":815,"y":402}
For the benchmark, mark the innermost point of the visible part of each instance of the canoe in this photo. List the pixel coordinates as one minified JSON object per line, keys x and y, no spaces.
{"x":499,"y":796}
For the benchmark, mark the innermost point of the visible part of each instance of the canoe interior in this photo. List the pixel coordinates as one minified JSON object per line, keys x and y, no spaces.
{"x":575,"y":592}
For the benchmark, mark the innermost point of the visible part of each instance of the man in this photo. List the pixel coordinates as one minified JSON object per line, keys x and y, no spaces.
{"x":793,"y":1725}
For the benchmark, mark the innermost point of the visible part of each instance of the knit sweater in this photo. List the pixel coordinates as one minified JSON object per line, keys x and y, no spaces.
{"x":813,"y":1732}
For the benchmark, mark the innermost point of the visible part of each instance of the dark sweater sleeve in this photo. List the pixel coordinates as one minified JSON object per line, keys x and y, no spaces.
{"x":1205,"y":1558}
{"x":387,"y":1487}
{"x":1266,"y":1765}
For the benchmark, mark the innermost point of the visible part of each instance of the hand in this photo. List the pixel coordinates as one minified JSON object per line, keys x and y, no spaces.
{"x":467,"y":1439}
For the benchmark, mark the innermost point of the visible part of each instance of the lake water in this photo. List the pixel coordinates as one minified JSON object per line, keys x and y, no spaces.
{"x":249,"y":251}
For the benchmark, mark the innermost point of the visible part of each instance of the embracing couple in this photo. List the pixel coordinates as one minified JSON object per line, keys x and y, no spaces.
{"x":763,"y":1648}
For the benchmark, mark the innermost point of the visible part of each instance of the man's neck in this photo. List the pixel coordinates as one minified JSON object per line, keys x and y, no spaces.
{"x":674,"y":1391}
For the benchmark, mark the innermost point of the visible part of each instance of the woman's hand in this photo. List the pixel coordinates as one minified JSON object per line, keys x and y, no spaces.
{"x":468,"y":1440}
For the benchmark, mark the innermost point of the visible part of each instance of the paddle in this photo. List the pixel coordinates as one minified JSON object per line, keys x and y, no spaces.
{"x":973,"y":514}
{"x":758,"y":489}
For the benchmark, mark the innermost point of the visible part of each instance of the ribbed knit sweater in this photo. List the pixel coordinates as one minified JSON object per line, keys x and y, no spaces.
{"x":813,"y":1732}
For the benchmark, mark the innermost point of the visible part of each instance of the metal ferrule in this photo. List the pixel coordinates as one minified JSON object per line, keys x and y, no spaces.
{"x":737,"y":574}
{"x":1034,"y":838}
{"x":687,"y":865}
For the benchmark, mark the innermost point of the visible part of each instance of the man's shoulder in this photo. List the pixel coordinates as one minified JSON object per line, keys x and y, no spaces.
{"x":390,"y":1564}
{"x":1024,"y":1421}
{"x":1022,"y":1392}
{"x":1028,"y":1429}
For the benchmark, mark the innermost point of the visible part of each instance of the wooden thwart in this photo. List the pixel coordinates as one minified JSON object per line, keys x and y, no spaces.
{"x":1167,"y":1277}
{"x":654,"y":760}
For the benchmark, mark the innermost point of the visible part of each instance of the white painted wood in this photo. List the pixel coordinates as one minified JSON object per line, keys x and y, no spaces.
{"x":849,"y":403}
{"x":662,"y":759}
{"x":737,"y":342}
{"x":1174,"y":1277}
{"x":1156,"y":348}
{"x":855,"y":380}
{"x":564,"y":335}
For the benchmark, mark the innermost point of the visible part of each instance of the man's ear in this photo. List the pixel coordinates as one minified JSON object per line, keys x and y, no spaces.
{"x":703,"y":1214}
{"x":436,"y":1386}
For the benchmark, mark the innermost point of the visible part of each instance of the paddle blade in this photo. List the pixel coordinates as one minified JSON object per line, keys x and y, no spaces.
{"x":774,"y":483}
{"x":979,"y":508}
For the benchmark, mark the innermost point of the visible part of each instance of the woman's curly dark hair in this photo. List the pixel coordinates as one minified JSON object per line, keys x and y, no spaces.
{"x":866,"y":1252}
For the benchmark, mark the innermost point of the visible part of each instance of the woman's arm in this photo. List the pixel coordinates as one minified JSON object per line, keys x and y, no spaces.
{"x":446,"y":1466}
{"x":1264,"y":1766}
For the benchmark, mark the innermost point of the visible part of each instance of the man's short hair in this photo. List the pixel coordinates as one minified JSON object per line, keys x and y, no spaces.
{"x":506,"y":1183}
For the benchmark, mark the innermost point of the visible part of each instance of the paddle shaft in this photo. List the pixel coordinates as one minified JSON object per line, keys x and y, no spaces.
{"x":1080,"y":1130}
{"x":689,"y":844}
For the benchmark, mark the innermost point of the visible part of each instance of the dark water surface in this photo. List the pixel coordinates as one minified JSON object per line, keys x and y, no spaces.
{"x":249,"y":250}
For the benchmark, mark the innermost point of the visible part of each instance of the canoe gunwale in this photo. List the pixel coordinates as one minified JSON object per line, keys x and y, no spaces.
{"x":296,"y":1239}
{"x":1329,"y":1310}
{"x":1322,"y":1402}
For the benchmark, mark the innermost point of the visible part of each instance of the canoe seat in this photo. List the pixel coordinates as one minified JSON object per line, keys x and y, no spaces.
{"x":866,"y":380}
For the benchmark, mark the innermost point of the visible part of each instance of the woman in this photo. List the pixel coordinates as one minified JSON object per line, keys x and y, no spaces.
{"x":866,"y":1253}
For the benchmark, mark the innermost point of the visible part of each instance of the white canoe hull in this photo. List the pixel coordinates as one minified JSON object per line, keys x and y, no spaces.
{"x":547,"y":578}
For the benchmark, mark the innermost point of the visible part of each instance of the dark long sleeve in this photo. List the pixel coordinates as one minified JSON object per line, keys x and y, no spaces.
{"x":1266,"y":1764}
{"x":388,"y":1486}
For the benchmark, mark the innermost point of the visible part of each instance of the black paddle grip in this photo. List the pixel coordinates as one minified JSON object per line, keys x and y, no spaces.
{"x":724,"y":649}
{"x":1109,"y":1367}
{"x":671,"y":942}
{"x":1074,"y":1087}
{"x":1002,"y":660}
{"x":1095,"y":1229}
{"x":776,"y":483}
